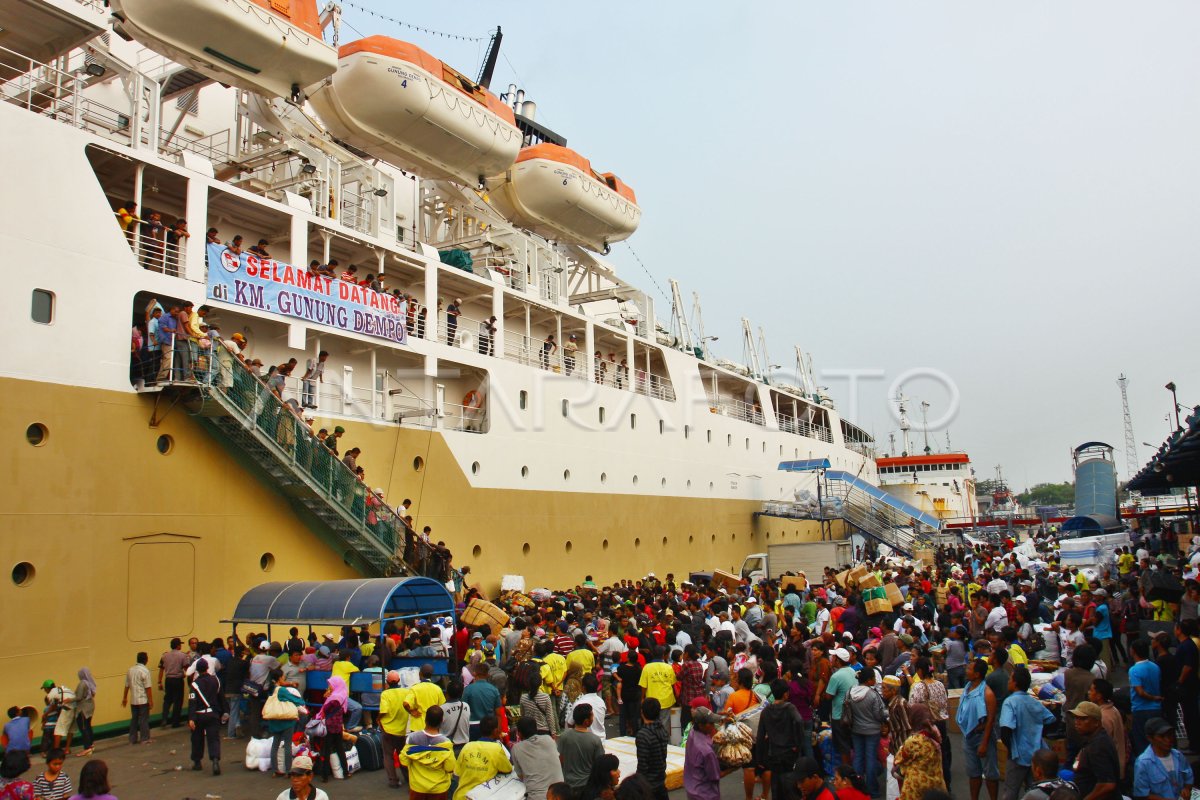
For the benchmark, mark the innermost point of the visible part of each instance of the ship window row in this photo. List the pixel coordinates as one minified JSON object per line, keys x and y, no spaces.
{"x":908,"y":470}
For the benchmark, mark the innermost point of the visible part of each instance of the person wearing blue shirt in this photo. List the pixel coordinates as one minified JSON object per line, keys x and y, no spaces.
{"x":977,"y":703}
{"x":1021,"y":720}
{"x":1145,"y":694}
{"x":1161,"y":772}
{"x":1102,"y":627}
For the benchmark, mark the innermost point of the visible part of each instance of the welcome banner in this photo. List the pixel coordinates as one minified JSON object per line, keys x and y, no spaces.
{"x":265,"y":284}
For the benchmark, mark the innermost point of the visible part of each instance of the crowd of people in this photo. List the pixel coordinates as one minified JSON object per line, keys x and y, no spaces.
{"x":843,"y":699}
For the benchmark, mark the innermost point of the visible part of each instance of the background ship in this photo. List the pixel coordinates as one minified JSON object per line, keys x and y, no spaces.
{"x":135,"y":513}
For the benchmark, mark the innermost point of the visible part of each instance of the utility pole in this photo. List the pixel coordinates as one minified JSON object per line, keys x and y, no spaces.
{"x":1131,"y":457}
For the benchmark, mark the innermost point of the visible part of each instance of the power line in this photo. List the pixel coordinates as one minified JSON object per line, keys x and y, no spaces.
{"x":413,"y":27}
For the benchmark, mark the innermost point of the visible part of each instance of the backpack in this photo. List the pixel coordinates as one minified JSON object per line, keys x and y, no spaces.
{"x":1035,"y":643}
{"x":527,"y":674}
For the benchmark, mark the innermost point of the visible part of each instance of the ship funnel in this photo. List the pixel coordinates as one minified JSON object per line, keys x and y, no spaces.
{"x":529,"y":110}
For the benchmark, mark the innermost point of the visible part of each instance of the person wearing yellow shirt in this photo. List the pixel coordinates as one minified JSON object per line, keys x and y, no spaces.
{"x":343,"y":667}
{"x":1081,"y":581}
{"x":1016,"y":653}
{"x":554,"y":669}
{"x":582,"y":655}
{"x":481,"y":760}
{"x":393,"y":719}
{"x":658,"y":681}
{"x":1125,"y":562}
{"x":423,"y":696}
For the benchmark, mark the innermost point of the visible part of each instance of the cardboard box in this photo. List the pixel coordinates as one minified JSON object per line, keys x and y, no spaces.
{"x":869,"y":581}
{"x":926,"y":557}
{"x":789,"y":581}
{"x":892,"y":592}
{"x":857,"y":574}
{"x":726,"y":581}
{"x":481,"y":612}
{"x":878,"y":607}
{"x":842,"y":578}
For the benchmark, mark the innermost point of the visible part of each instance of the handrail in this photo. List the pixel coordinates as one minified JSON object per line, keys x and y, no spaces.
{"x":737,"y":409}
{"x":156,"y":253}
{"x":790,"y":424}
{"x":280,"y":426}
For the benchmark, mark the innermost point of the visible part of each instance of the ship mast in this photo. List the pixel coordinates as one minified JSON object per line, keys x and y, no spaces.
{"x":925,"y":426}
{"x":904,"y":424}
{"x":679,"y":323}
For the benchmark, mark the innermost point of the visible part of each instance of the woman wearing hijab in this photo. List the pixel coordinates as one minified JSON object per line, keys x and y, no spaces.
{"x":85,"y":708}
{"x":919,"y":761}
{"x":337,"y":698}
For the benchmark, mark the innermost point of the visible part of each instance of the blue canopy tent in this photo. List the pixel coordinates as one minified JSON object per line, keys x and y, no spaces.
{"x":805,"y":465}
{"x":366,"y":601}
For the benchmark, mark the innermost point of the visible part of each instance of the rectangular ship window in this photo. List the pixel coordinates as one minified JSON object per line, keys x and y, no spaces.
{"x":42,"y":307}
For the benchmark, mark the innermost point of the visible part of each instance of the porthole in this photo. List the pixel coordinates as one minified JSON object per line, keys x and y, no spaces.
{"x":266,"y":562}
{"x":687,"y":431}
{"x":747,"y":442}
{"x":734,"y":537}
{"x":714,"y":537}
{"x":42,"y":308}
{"x":691,"y":539}
{"x":604,"y":545}
{"x":689,"y":483}
{"x":524,"y":472}
{"x":23,"y":573}
{"x":601,"y":415}
{"x":635,"y":480}
{"x":709,"y":435}
{"x":37,"y":434}
{"x":418,"y":464}
{"x":523,"y":399}
{"x":474,"y":467}
{"x":525,"y":549}
{"x":476,"y":551}
{"x":768,"y":534}
{"x":780,"y":450}
{"x":568,"y":546}
{"x":729,"y":440}
{"x":637,"y":542}
{"x":664,"y":541}
{"x":604,"y":477}
{"x":165,"y":444}
{"x":663,"y":482}
{"x":764,"y":447}
{"x":633,"y":422}
{"x":566,"y":407}
{"x":662,"y":426}
{"x":566,"y":474}
{"x":710,"y":486}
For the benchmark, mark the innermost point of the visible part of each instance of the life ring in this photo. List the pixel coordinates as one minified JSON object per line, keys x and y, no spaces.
{"x":473,"y":400}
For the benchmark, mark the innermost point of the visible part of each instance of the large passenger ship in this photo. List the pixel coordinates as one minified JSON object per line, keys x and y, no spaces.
{"x":589,"y":433}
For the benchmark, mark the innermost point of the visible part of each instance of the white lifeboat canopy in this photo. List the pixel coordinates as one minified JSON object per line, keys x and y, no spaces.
{"x":554,"y":192}
{"x":398,"y":103}
{"x":272,"y":47}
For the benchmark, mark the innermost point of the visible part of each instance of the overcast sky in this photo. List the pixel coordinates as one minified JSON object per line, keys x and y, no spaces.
{"x":1005,"y":193}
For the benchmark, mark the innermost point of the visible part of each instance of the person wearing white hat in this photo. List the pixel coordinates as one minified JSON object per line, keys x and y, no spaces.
{"x":844,"y":678}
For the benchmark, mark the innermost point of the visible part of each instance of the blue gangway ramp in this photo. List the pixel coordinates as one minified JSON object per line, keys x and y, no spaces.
{"x":880,"y":496}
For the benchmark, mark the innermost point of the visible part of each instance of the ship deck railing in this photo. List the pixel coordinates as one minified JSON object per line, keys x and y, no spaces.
{"x":156,"y":253}
{"x":737,"y":409}
{"x":800,"y":427}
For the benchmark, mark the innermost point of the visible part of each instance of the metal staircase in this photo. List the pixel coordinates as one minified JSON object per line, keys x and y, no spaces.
{"x":880,"y":516}
{"x":258,"y":427}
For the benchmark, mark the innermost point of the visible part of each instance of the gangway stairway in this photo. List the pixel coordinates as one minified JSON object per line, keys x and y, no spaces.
{"x":875,"y":513}
{"x":256,"y":426}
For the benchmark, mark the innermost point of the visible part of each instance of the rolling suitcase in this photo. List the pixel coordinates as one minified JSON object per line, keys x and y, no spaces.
{"x":370,"y":749}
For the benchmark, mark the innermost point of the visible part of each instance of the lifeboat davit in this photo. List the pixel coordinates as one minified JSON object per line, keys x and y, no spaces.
{"x":554,"y":192}
{"x":398,"y":103}
{"x":273,"y":47}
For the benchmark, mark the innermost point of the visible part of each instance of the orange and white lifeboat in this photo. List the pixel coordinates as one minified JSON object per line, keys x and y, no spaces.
{"x":272,"y":47}
{"x":398,"y":103}
{"x":554,"y":192}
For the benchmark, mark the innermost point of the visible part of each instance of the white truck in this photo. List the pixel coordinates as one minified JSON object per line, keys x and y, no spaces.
{"x":810,"y":558}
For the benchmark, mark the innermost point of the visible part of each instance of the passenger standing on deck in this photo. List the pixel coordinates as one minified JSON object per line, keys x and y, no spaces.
{"x":314,"y":373}
{"x":570,"y":348}
{"x":206,"y":712}
{"x":487,"y":334}
{"x":140,"y":699}
{"x":170,"y":682}
{"x":452,"y":312}
{"x":549,"y":348}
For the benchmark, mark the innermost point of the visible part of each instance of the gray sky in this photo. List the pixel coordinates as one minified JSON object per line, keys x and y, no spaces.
{"x":1004,"y":193}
